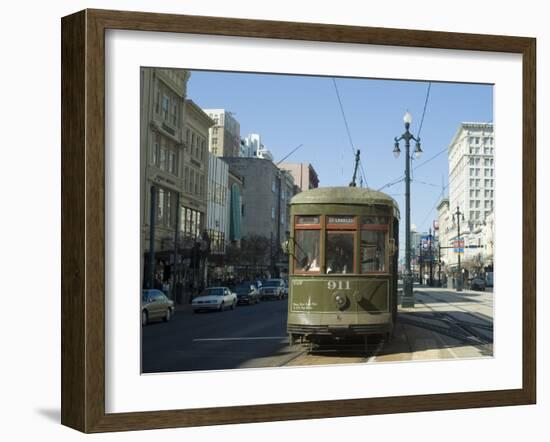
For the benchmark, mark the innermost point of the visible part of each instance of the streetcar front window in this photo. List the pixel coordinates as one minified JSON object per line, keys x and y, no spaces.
{"x":339,"y":251}
{"x":306,"y":250}
{"x":373,"y":251}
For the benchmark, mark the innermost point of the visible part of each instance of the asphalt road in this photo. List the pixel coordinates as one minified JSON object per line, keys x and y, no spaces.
{"x":443,"y":324}
{"x":249,"y":336}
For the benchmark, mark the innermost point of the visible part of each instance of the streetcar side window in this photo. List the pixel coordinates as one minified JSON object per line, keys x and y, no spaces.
{"x":306,"y":251}
{"x":373,"y":251}
{"x":339,"y":252}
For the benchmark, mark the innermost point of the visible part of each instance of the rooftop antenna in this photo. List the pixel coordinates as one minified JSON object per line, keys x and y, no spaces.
{"x":353,"y":183}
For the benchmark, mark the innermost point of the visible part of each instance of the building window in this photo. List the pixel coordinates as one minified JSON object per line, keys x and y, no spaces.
{"x":157,"y":102}
{"x":186,"y":179}
{"x":273,"y":213}
{"x":165,"y":106}
{"x":172,"y":163}
{"x":162,"y":159}
{"x":155,"y":149}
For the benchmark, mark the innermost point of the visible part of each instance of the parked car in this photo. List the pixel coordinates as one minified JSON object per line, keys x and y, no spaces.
{"x":477,"y":284}
{"x":247,"y":293}
{"x":215,"y":298}
{"x":155,"y":305}
{"x":272,"y":288}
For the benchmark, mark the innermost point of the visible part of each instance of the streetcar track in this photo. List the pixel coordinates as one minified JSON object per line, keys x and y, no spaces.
{"x":466,"y":330}
{"x":293,"y":358}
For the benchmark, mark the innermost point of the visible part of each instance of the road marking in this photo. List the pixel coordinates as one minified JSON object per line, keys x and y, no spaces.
{"x":250,"y":338}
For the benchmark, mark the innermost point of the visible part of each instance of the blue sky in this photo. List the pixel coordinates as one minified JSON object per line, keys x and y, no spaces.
{"x":289,"y":110}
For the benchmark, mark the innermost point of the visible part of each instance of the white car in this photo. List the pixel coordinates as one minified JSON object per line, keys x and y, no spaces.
{"x":215,"y":298}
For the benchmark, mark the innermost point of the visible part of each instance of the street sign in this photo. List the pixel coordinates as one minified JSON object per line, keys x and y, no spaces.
{"x":458,"y":245}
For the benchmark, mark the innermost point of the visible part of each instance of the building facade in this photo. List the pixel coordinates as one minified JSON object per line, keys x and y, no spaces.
{"x":217,"y":222}
{"x":305,"y":176}
{"x":471,"y":191}
{"x":471,"y":171}
{"x":252,"y":147}
{"x":265,"y":197}
{"x":235,"y":184}
{"x":225,"y":135}
{"x":193,"y":207}
{"x":162,"y":152}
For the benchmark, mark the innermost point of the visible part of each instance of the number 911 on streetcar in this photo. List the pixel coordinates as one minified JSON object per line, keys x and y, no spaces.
{"x":343,"y":264}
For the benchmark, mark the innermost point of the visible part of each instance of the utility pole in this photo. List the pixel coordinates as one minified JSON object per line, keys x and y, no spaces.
{"x":152,"y":219}
{"x":459,"y":214}
{"x":430,"y":254}
{"x":439,"y":263}
{"x":175,"y":267}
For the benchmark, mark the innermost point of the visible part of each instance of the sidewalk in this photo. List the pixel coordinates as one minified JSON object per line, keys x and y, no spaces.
{"x":433,"y":299}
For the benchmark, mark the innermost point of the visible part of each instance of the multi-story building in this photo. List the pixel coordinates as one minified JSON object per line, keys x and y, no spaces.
{"x":252,"y":147}
{"x":304,"y":175}
{"x":235,"y":184}
{"x":217,"y":223}
{"x":471,"y":171}
{"x":193,"y":202}
{"x":225,"y":135}
{"x":471,"y":190}
{"x":162,"y":150}
{"x":266,"y":195}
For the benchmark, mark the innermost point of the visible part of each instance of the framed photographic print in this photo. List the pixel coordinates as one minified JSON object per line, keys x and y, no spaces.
{"x":267,"y":221}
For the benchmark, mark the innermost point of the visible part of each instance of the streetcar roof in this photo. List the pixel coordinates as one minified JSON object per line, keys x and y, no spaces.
{"x":343,"y":195}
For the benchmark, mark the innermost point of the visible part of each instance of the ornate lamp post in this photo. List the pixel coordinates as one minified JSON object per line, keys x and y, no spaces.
{"x":457,"y":216}
{"x":408,"y":297}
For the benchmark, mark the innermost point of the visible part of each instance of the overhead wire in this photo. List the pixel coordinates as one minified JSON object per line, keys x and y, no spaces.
{"x":362,"y":170}
{"x":438,"y":199}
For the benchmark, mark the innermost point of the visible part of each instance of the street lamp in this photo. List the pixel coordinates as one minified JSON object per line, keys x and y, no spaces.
{"x":457,"y":217}
{"x":408,"y":297}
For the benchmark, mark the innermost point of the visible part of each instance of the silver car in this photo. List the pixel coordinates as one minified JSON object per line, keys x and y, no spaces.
{"x":155,"y":305}
{"x":215,"y":298}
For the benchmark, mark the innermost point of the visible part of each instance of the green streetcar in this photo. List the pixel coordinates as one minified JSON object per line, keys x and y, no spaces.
{"x":343,"y":264}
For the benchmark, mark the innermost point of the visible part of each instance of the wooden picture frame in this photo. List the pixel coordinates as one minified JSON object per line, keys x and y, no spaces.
{"x":83,"y":220}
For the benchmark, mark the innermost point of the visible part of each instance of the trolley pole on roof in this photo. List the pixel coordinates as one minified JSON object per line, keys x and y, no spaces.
{"x":354,"y":179}
{"x":408,"y":297}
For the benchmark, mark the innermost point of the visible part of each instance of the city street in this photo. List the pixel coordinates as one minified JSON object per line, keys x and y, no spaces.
{"x":443,"y":324}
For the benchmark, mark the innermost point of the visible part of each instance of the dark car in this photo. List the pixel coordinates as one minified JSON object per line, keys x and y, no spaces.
{"x":272,"y":288}
{"x":247,"y":293}
{"x":477,"y":284}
